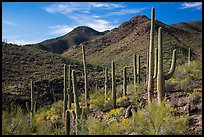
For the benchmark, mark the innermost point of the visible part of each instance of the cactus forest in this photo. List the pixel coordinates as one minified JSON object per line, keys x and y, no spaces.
{"x":139,"y":98}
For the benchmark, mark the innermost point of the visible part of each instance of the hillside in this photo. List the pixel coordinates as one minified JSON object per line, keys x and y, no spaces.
{"x":132,"y":36}
{"x":21,"y":64}
{"x":75,"y":37}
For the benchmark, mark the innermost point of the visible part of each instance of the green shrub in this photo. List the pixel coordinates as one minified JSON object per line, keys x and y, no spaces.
{"x":159,"y":120}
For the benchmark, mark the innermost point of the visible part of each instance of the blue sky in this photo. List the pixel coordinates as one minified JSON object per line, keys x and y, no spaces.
{"x":33,"y":22}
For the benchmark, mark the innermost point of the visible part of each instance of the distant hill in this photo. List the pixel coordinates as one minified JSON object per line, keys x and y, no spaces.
{"x":195,"y":26}
{"x":75,"y":37}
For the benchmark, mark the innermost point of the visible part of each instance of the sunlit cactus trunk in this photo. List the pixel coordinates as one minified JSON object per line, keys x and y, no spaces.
{"x":113,"y":85}
{"x":69,"y":87}
{"x":161,"y":77}
{"x":65,"y":89}
{"x":85,"y":77}
{"x":150,"y":87}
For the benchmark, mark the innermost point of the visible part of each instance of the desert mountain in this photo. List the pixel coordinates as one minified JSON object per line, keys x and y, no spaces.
{"x":132,"y":36}
{"x":76,"y":36}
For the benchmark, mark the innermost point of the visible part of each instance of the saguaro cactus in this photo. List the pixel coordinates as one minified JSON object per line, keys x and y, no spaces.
{"x":33,"y":104}
{"x":189,"y":56}
{"x":161,"y":77}
{"x":106,"y":82}
{"x":69,"y":87}
{"x":113,"y":85}
{"x":150,"y":87}
{"x":76,"y":100}
{"x":124,"y":81}
{"x":65,"y":88}
{"x":67,"y":122}
{"x":135,"y":69}
{"x":155,"y":63}
{"x":85,"y":77}
{"x":138,"y":69}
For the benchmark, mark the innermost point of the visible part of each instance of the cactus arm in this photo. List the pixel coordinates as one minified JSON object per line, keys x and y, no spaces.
{"x":155,"y":63}
{"x":173,"y":66}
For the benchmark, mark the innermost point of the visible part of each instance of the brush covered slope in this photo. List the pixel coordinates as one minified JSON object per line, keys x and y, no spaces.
{"x":21,"y":64}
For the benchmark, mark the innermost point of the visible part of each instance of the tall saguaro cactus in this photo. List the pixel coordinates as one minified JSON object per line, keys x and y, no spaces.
{"x":69,"y":87}
{"x":124,"y":81}
{"x":113,"y":85}
{"x":150,"y":87}
{"x":161,"y":77}
{"x":65,"y":88}
{"x":85,"y":77}
{"x":106,"y":82}
{"x":189,"y":56}
{"x":135,"y":69}
{"x":76,"y":101}
{"x":138,"y":69}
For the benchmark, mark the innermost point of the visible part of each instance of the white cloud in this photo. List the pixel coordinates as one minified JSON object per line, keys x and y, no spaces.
{"x":21,"y":42}
{"x":126,"y":11}
{"x":9,"y":23}
{"x":84,"y":14}
{"x":197,"y":5}
{"x":60,"y":29}
{"x":106,"y":5}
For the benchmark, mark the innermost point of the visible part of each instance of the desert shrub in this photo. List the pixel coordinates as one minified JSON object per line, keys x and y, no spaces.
{"x":158,"y":120}
{"x":15,"y":122}
{"x":97,"y":127}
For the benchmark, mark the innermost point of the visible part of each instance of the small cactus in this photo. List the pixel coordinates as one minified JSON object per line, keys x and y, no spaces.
{"x":161,"y":77}
{"x":189,"y":56}
{"x":113,"y":85}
